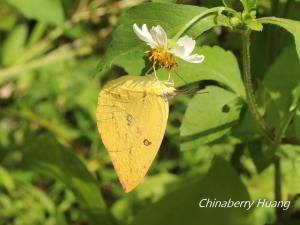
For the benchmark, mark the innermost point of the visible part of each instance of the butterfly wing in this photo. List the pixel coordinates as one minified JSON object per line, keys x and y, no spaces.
{"x":132,"y":122}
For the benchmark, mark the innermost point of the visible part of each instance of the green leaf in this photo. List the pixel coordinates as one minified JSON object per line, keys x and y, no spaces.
{"x":290,"y":161}
{"x":291,"y":26}
{"x":13,"y":45}
{"x":137,"y":56}
{"x":171,"y":17}
{"x":249,"y":4}
{"x":151,"y":189}
{"x":209,"y":116}
{"x":260,"y":185}
{"x":46,"y":156}
{"x":282,"y":78}
{"x":182,"y":206}
{"x":6,"y":180}
{"x":257,"y":153}
{"x":254,"y":25}
{"x":48,"y":11}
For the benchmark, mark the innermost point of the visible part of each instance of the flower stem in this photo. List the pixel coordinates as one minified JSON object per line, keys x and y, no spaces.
{"x":197,"y":18}
{"x":249,"y":87}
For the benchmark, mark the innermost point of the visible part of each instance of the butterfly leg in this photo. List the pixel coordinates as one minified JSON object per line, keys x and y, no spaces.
{"x":170,"y":80}
{"x":154,"y":70}
{"x":149,"y":70}
{"x":169,"y":77}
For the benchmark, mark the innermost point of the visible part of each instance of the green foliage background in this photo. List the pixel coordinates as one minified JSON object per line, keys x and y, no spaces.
{"x":55,"y":56}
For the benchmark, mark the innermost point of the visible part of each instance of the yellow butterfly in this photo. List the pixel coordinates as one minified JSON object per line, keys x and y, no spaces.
{"x":132,"y":115}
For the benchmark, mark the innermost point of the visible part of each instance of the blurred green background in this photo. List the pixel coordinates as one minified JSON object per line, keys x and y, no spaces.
{"x":53,"y":166}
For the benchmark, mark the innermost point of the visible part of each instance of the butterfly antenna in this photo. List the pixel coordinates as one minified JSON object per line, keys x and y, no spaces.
{"x":184,"y":81}
{"x":202,"y":92}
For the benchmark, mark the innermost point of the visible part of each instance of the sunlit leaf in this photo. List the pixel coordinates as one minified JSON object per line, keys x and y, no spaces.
{"x":209,"y":116}
{"x":49,"y":11}
{"x":14,"y":44}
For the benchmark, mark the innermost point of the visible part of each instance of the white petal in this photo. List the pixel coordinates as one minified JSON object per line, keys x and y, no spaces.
{"x":188,"y":44}
{"x":194,"y":58}
{"x":159,"y":36}
{"x":178,"y":51}
{"x":144,"y":35}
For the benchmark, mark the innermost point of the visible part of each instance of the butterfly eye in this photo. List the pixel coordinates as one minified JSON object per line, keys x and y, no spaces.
{"x":147,"y":142}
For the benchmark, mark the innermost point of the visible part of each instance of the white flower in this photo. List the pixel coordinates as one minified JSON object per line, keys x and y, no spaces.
{"x":157,"y":38}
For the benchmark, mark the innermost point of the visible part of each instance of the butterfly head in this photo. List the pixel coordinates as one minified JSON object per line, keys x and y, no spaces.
{"x":164,"y":88}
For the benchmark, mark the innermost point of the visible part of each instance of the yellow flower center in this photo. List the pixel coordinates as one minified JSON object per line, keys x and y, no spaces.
{"x":162,"y":57}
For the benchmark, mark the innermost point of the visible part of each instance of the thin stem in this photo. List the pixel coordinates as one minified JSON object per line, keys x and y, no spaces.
{"x":284,"y":127}
{"x":249,"y":87}
{"x":278,"y":187}
{"x":197,"y":18}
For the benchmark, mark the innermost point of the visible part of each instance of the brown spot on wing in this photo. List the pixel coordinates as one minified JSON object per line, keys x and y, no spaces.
{"x":129,"y":119}
{"x":130,"y":151}
{"x":147,"y":142}
{"x":116,"y":95}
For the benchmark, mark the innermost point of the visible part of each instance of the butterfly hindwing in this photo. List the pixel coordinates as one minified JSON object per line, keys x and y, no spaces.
{"x":132,"y":121}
